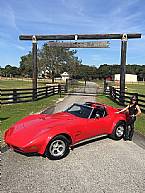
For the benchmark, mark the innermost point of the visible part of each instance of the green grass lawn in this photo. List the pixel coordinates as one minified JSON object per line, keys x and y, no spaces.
{"x":139,"y":124}
{"x":137,"y":88}
{"x":12,"y":84}
{"x":24,"y":83}
{"x":9,"y":114}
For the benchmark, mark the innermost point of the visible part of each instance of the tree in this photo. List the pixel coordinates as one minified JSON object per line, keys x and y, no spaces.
{"x":1,"y":71}
{"x":57,"y":60}
{"x":51,"y":60}
{"x":26,"y":65}
{"x":9,"y":71}
{"x":86,"y":72}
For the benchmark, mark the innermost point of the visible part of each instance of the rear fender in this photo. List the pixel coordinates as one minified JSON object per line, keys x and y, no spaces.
{"x":118,"y":119}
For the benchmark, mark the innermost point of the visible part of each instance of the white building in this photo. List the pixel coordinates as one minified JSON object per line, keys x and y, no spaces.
{"x":128,"y":77}
{"x":65,"y":76}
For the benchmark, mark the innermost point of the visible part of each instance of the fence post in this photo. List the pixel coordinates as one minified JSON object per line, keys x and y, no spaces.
{"x":136,"y":94}
{"x":53,"y":90}
{"x":66,"y":86}
{"x":59,"y":89}
{"x":122,"y":97}
{"x":105,"y":86}
{"x":14,"y":95}
{"x":110,"y":91}
{"x":46,"y":91}
{"x":34,"y":94}
{"x":115,"y":93}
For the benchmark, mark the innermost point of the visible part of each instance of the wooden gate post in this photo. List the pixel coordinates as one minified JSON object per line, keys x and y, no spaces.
{"x":34,"y":66}
{"x":59,"y":89}
{"x":105,"y":85}
{"x":123,"y":67}
{"x":15,"y":96}
{"x":66,"y":85}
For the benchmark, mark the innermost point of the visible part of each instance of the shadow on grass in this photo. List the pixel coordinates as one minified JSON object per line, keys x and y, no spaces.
{"x":3,"y":119}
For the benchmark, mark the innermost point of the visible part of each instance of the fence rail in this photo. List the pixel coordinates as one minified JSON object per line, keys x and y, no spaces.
{"x":115,"y":95}
{"x":10,"y":96}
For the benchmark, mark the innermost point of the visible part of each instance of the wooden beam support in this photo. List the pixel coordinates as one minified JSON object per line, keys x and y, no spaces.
{"x":34,"y":66}
{"x":79,"y":36}
{"x":123,"y":67}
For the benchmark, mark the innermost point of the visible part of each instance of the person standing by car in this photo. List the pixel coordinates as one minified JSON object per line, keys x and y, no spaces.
{"x":133,"y":111}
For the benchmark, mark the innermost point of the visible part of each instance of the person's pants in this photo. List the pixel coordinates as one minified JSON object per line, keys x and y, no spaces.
{"x":129,"y":128}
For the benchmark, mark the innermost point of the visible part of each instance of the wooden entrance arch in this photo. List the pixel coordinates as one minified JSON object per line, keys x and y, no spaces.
{"x":123,"y":37}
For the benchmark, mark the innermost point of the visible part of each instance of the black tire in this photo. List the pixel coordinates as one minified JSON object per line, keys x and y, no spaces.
{"x":58,"y":148}
{"x":118,"y":131}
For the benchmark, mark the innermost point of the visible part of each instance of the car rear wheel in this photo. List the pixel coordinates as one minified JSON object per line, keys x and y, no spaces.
{"x":118,"y":131}
{"x":58,"y":148}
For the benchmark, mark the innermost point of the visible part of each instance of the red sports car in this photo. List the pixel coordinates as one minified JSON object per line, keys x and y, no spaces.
{"x":54,"y":135}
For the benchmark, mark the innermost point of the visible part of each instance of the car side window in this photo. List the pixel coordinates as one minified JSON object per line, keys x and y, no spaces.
{"x":98,"y":113}
{"x":80,"y":111}
{"x":94,"y":114}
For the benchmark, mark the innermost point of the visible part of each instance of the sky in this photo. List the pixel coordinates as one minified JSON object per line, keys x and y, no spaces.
{"x":44,"y":17}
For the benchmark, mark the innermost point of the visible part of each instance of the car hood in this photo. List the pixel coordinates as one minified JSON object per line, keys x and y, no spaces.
{"x":33,"y":126}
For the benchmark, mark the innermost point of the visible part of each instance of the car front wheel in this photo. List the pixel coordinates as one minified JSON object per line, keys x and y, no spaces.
{"x":118,"y":131}
{"x":58,"y":148}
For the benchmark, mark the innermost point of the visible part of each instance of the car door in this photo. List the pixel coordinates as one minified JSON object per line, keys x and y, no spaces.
{"x":78,"y":127}
{"x":88,"y":128}
{"x":99,"y":125}
{"x":80,"y":131}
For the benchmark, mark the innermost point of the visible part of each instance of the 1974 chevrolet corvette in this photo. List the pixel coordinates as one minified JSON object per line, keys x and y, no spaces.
{"x":54,"y":135}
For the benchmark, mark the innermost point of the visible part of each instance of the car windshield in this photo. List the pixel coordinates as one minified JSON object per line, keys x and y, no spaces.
{"x":80,"y":110}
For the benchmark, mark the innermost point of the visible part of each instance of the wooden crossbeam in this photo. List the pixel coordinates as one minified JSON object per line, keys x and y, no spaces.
{"x":79,"y":36}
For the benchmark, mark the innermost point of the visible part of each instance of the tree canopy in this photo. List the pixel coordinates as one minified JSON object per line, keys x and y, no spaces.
{"x":9,"y":71}
{"x":52,"y":61}
{"x":56,"y":60}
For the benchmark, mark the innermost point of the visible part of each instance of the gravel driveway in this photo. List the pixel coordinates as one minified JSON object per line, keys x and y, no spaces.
{"x":100,"y":165}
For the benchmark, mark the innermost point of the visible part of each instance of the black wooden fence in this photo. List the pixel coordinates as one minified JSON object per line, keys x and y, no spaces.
{"x":116,"y":96}
{"x":10,"y":96}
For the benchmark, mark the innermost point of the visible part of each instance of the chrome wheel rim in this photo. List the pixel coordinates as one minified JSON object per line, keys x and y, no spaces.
{"x":120,"y":131}
{"x":57,"y":148}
